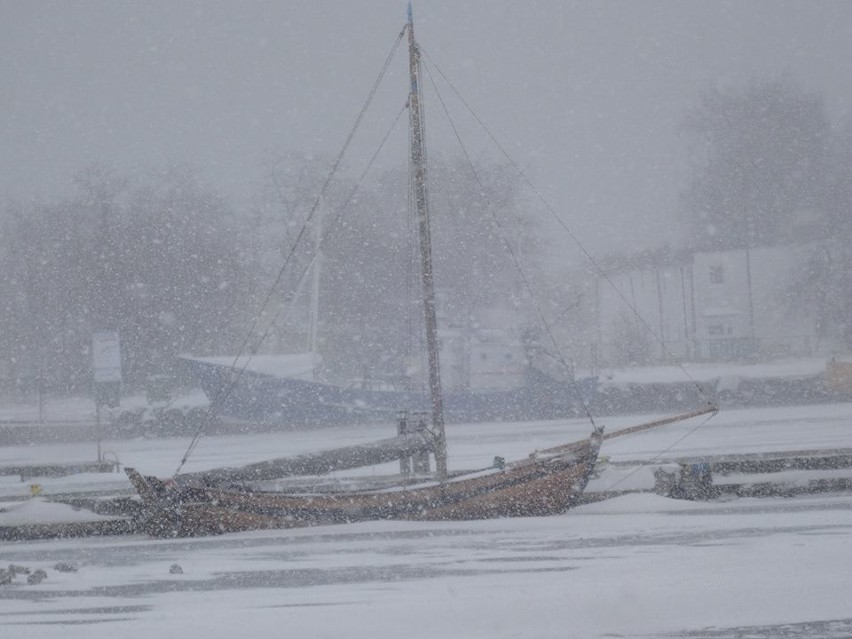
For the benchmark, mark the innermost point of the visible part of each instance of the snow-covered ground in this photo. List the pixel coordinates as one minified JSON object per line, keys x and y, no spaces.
{"x":703,"y":372}
{"x":636,"y":566}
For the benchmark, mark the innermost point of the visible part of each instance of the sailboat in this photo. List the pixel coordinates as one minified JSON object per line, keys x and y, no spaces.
{"x":547,"y":482}
{"x":278,"y":390}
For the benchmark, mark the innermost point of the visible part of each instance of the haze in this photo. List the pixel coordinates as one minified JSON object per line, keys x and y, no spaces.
{"x":587,"y":97}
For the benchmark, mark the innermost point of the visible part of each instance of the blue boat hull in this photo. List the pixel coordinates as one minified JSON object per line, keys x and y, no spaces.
{"x":263,"y":398}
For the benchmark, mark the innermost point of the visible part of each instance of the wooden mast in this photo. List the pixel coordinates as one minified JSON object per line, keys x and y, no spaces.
{"x":421,"y":202}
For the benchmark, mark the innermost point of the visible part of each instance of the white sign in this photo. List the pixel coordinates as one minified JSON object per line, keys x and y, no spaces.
{"x":106,"y":357}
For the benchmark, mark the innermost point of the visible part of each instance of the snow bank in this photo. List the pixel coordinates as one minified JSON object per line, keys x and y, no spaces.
{"x":41,"y":511}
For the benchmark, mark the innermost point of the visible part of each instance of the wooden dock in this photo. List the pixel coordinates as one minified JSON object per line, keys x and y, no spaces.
{"x":749,"y":463}
{"x":31,"y":471}
{"x":772,"y":474}
{"x":67,"y":530}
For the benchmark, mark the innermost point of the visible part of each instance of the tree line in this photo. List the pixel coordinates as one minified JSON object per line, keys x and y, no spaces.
{"x":770,"y":168}
{"x":176,"y":269}
{"x":151,"y":260}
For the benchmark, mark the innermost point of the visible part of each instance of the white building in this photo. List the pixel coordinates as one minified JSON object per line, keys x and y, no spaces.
{"x":485,"y":354}
{"x":707,"y":305}
{"x":645,"y":310}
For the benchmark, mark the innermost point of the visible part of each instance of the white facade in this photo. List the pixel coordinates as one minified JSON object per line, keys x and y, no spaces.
{"x":743,"y":297}
{"x":487,"y":354}
{"x":713,"y":305}
{"x":662,"y":301}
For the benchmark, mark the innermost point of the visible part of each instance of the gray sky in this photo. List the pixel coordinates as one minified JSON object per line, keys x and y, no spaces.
{"x":586,"y":96}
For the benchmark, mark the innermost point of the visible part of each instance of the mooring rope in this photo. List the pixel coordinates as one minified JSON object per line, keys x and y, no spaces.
{"x":710,"y":415}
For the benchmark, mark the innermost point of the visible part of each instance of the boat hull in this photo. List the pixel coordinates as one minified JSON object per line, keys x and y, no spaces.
{"x":539,"y":486}
{"x":281,"y":401}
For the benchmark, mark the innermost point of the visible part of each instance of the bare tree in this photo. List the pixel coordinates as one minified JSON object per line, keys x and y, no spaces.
{"x":761,"y":158}
{"x":155,"y":261}
{"x":371,"y":283}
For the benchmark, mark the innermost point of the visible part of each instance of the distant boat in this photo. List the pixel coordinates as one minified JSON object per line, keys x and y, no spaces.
{"x":280,"y":391}
{"x":228,"y":499}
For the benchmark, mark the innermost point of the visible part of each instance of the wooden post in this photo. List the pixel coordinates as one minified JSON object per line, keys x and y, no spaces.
{"x":404,"y":459}
{"x":420,"y":459}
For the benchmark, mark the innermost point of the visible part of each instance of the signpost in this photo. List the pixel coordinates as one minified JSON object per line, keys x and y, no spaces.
{"x":107,"y":357}
{"x":106,"y":364}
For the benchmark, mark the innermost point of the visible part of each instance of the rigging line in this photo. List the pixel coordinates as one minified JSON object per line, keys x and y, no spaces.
{"x":323,"y":189}
{"x":656,"y":457}
{"x":570,"y":233}
{"x":513,"y":254}
{"x":338,"y":215}
{"x":214,"y":405}
{"x":235,"y":375}
{"x":331,"y":174}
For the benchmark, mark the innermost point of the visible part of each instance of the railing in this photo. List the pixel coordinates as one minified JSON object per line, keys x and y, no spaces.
{"x":745,"y":347}
{"x":726,"y":348}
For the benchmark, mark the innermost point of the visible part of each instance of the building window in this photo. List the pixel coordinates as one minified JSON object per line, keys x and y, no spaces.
{"x":716,"y":330}
{"x":717,"y":275}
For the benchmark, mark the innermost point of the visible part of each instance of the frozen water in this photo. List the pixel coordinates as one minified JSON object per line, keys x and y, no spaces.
{"x":634,"y":566}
